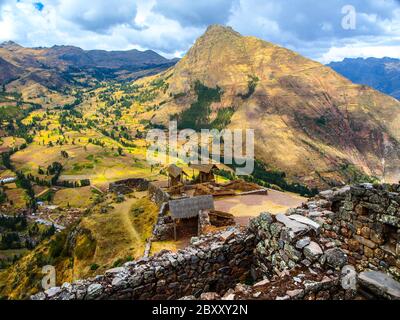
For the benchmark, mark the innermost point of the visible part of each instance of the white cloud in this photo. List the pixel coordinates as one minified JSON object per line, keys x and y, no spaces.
{"x":196,"y":13}
{"x":94,"y":26}
{"x":170,"y":27}
{"x":360,"y":50}
{"x":99,"y":15}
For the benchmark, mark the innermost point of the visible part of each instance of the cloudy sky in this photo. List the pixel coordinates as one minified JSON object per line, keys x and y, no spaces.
{"x":322,"y":30}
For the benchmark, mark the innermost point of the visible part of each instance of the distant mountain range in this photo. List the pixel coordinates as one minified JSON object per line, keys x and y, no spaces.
{"x":380,"y":74}
{"x":60,"y":66}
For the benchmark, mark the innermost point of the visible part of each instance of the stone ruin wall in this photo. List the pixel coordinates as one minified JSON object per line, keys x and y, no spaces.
{"x":304,"y":251}
{"x":213,"y":263}
{"x":157,"y":194}
{"x":367,"y":227}
{"x":128,"y":185}
{"x":164,"y":227}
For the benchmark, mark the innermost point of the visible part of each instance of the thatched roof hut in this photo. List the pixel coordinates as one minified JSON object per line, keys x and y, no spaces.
{"x":174,"y":171}
{"x":206,"y":171}
{"x":190,"y":207}
{"x":205,"y":168}
{"x":175,"y":174}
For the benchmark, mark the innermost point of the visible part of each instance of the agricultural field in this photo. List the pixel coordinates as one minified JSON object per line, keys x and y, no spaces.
{"x":64,"y":154}
{"x":7,"y":143}
{"x":75,"y":197}
{"x":15,"y":196}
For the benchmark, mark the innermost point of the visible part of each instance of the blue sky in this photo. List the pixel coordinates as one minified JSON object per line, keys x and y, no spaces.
{"x":312,"y":28}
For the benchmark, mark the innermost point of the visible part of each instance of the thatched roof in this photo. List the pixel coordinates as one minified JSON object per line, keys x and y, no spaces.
{"x":190,"y":207}
{"x":174,"y":171}
{"x":206,"y":168}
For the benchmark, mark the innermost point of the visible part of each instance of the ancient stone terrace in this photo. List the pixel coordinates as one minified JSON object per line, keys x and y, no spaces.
{"x":343,"y":244}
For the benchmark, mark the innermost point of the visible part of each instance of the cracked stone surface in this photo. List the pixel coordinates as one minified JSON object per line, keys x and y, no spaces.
{"x":380,"y":283}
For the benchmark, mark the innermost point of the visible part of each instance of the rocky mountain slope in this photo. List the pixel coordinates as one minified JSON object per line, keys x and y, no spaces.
{"x":380,"y":74}
{"x":311,"y":123}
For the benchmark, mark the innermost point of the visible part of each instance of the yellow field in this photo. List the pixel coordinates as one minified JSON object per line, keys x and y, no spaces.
{"x":92,"y":162}
{"x":16,"y":195}
{"x":11,"y":142}
{"x":6,"y":174}
{"x":74,"y":197}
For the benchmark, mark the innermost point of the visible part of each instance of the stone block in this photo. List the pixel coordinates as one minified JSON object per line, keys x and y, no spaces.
{"x":376,"y":237}
{"x":368,"y":243}
{"x":312,"y":251}
{"x":335,"y":258}
{"x":308,"y":222}
{"x":380,"y":283}
{"x":365,"y":232}
{"x":368,"y":252}
{"x":354,"y":245}
{"x":303,"y":242}
{"x":295,"y":227}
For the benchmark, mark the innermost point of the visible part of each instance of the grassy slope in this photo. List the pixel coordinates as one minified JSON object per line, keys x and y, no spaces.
{"x":105,"y":240}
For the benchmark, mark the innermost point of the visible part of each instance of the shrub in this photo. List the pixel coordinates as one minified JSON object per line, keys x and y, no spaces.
{"x":197,"y":116}
{"x":252,"y":84}
{"x":85,"y":245}
{"x":94,"y":267}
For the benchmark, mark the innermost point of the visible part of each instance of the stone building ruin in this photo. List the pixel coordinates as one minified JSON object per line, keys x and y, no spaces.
{"x":342,"y":244}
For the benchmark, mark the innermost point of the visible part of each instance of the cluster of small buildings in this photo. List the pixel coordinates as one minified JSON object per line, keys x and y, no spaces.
{"x":176,"y":174}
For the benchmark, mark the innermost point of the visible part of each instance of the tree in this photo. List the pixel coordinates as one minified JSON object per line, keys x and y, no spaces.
{"x":64,"y":154}
{"x":49,"y":232}
{"x":6,"y":160}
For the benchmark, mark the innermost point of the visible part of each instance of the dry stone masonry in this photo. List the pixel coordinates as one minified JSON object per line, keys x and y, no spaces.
{"x":212,"y":263}
{"x":368,"y":226}
{"x":128,"y":185}
{"x":342,"y":244}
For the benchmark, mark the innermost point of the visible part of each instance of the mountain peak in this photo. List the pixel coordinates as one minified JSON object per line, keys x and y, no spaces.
{"x":217,"y":29}
{"x":10,"y":44}
{"x":217,"y":37}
